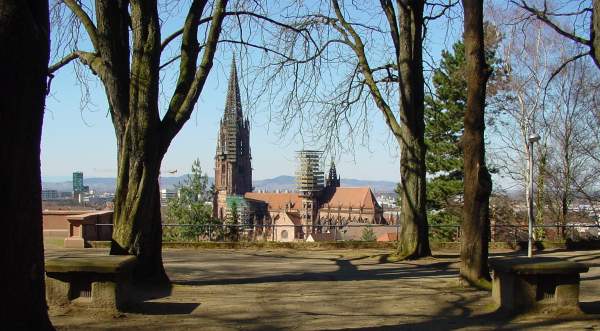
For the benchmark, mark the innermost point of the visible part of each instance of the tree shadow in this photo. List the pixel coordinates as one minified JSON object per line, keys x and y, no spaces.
{"x":448,"y":319}
{"x":163,"y":308}
{"x":591,"y":307}
{"x":346,"y":271}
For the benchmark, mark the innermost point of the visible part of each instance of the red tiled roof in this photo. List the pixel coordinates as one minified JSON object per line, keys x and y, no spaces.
{"x":342,"y":197}
{"x":352,"y":197}
{"x":277,"y":201}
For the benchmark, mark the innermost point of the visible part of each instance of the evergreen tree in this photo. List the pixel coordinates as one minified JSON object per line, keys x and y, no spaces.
{"x":190,"y":208}
{"x":232,"y":222}
{"x":444,"y":115}
{"x":368,"y":234}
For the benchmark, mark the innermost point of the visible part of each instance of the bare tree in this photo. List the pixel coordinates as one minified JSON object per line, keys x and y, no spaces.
{"x":579,"y":26}
{"x":557,"y":101}
{"x":477,"y":182}
{"x":125,"y":37}
{"x":24,"y":34}
{"x":572,"y":172}
{"x":128,"y":54}
{"x":360,"y":58}
{"x":518,"y":109}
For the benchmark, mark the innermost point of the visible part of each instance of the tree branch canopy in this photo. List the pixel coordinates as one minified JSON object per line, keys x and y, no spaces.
{"x":85,"y":19}
{"x":199,"y":21}
{"x":183,"y":101}
{"x":544,"y":16}
{"x":359,"y":49}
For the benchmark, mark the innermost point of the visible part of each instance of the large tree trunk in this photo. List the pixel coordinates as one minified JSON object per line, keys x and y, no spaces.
{"x":414,"y":240}
{"x":24,"y":36}
{"x":477,"y":182}
{"x":137,"y":219}
{"x":131,"y":81}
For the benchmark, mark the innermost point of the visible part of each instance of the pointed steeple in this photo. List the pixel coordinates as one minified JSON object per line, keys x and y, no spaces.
{"x":233,"y":165}
{"x":233,"y":104}
{"x":333,"y":180}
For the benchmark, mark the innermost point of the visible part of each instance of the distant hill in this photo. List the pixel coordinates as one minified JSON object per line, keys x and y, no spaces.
{"x":276,"y":183}
{"x":282,"y":183}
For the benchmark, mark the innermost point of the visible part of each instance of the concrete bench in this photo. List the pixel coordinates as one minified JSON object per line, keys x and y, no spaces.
{"x":97,"y":281}
{"x":521,"y":284}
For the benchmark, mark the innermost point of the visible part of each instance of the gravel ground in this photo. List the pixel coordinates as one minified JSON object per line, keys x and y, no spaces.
{"x":219,"y":289}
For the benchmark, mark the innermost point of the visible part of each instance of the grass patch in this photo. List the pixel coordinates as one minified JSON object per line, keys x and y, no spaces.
{"x":54,"y":242}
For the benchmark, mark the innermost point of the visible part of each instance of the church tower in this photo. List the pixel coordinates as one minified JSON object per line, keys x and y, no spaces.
{"x":332,"y":180}
{"x":233,"y":169}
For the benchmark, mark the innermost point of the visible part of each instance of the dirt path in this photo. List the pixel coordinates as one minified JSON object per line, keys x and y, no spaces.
{"x":309,"y":290}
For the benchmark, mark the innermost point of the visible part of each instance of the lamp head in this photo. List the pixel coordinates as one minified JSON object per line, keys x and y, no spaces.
{"x":533,"y":138}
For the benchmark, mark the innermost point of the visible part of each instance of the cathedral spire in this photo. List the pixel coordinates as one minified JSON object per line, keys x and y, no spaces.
{"x":333,"y":180}
{"x":233,"y":162}
{"x":233,"y":105}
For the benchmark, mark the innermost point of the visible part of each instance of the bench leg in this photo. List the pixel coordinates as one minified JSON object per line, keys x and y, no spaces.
{"x":567,"y":292}
{"x":503,"y":285}
{"x":104,"y":294}
{"x":57,"y":291}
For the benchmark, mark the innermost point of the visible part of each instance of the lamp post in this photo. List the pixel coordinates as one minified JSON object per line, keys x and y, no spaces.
{"x":533,"y":138}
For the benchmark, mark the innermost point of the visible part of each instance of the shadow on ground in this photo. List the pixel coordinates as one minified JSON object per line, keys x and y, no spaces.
{"x":278,"y":291}
{"x":346,"y":271}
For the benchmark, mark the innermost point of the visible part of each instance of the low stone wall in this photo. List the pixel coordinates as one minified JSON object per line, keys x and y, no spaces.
{"x":55,"y":223}
{"x":77,"y":227}
{"x":88,"y":227}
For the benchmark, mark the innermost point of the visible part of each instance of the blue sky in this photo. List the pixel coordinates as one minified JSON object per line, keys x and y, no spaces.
{"x":83,"y":139}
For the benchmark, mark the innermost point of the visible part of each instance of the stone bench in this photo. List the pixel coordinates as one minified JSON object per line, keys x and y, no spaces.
{"x":521,"y":284}
{"x":97,"y":281}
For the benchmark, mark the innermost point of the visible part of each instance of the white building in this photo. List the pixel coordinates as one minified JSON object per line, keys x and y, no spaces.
{"x":166,"y":195}
{"x":49,"y":195}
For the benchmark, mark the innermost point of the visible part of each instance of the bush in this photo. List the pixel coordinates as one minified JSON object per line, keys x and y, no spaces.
{"x":368,"y":234}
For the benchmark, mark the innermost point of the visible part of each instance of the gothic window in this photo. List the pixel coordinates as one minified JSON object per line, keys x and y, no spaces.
{"x":284,"y":234}
{"x":223,"y":172}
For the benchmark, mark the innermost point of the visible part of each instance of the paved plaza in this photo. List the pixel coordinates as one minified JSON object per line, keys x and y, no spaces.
{"x":280,"y":289}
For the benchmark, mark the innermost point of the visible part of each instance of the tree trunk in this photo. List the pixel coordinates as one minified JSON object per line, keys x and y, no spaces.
{"x":130,"y":80}
{"x":414,"y":240}
{"x":477,"y":182}
{"x":564,"y":209}
{"x":137,"y":220}
{"x":595,"y":33}
{"x":24,"y":35}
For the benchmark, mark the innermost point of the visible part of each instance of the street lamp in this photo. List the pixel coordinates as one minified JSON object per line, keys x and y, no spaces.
{"x":533,"y":138}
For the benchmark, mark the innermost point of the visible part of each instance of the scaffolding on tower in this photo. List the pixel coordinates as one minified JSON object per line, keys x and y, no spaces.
{"x":310,"y":178}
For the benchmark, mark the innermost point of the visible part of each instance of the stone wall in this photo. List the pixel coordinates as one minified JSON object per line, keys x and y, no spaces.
{"x":78,"y":227}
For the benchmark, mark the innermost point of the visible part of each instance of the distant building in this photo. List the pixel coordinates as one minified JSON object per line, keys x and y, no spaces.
{"x":318,"y":205}
{"x":48,"y":195}
{"x":77,"y":182}
{"x":166,"y":195}
{"x":79,"y":190}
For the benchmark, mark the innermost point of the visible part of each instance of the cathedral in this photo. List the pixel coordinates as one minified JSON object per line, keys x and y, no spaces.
{"x":307,"y":214}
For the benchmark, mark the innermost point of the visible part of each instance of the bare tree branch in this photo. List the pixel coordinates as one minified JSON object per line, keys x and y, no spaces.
{"x":85,"y":20}
{"x":62,"y":62}
{"x":544,"y":16}
{"x":180,"y":110}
